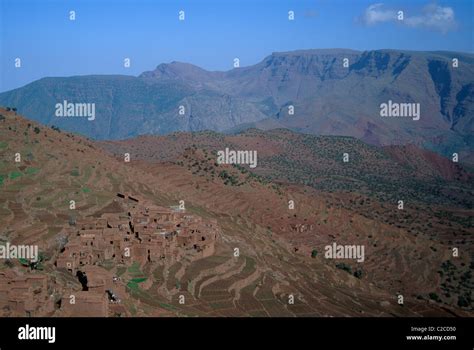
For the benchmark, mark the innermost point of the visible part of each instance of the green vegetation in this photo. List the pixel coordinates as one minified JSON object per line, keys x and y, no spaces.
{"x":463,"y":301}
{"x":457,"y":282}
{"x":134,"y":270}
{"x":15,"y":174}
{"x":137,"y":276}
{"x":228,"y":178}
{"x":38,"y":265}
{"x":435,"y":297}
{"x":369,"y":172}
{"x":31,"y":171}
{"x":314,"y":253}
{"x":358,"y":273}
{"x":34,"y":265}
{"x":168,"y":307}
{"x":24,"y":262}
{"x":133,"y":283}
{"x":138,"y":280}
{"x":344,"y":267}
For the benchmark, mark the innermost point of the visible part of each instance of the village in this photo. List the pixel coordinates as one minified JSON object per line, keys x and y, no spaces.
{"x":142,"y":234}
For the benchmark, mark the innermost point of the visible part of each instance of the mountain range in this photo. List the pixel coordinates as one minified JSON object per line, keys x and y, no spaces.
{"x":321,"y":92}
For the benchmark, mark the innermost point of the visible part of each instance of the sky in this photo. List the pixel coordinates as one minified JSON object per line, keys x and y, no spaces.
{"x":214,"y":32}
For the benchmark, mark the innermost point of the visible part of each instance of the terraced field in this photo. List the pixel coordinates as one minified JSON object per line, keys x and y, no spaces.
{"x":262,"y":265}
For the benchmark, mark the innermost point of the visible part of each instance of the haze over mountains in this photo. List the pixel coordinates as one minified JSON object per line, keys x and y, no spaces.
{"x":328,"y":98}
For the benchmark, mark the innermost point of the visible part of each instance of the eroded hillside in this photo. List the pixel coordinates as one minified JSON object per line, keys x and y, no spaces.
{"x":260,"y":267}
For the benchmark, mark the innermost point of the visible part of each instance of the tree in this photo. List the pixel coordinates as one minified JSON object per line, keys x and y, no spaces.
{"x":314,"y":253}
{"x":434,"y":297}
{"x":345,"y":267}
{"x":358,"y":273}
{"x":462,"y":301}
{"x":36,"y":130}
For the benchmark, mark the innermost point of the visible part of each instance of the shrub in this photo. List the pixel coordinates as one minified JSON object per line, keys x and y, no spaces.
{"x":434,"y":296}
{"x":462,"y":301}
{"x":344,"y":267}
{"x":358,"y":273}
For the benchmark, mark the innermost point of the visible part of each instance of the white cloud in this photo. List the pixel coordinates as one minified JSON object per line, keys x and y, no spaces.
{"x":376,"y":13}
{"x":433,"y":17}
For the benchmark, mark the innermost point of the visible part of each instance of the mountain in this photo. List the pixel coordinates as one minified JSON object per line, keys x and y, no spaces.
{"x":327,"y":98}
{"x":127,"y":106}
{"x":281,"y":251}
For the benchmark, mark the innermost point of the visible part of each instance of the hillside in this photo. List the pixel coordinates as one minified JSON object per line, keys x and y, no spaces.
{"x":275,"y":243}
{"x":317,"y":161}
{"x":437,"y":195}
{"x":328,"y":98}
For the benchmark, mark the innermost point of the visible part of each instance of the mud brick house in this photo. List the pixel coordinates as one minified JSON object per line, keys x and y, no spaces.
{"x":143,"y":233}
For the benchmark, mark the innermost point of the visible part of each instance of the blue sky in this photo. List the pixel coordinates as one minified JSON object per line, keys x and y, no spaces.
{"x":213,"y":33}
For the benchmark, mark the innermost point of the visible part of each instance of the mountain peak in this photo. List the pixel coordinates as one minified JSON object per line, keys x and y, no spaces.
{"x":314,"y":52}
{"x":324,"y":89}
{"x":177,"y":70}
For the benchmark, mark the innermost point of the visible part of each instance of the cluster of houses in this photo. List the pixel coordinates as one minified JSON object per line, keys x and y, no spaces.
{"x":143,"y":233}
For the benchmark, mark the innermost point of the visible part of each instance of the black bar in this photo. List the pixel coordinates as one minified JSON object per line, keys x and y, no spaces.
{"x":306,"y":333}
